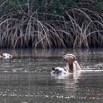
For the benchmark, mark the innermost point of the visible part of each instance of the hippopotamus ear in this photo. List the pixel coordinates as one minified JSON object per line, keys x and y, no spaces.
{"x":1,"y":54}
{"x":53,"y":68}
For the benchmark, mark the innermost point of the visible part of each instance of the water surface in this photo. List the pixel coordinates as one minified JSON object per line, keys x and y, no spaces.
{"x":26,"y":77}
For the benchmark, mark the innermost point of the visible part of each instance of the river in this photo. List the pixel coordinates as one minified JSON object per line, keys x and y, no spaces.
{"x":26,"y":77}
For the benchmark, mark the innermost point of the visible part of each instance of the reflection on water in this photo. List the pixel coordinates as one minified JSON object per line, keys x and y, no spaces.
{"x":26,"y":77}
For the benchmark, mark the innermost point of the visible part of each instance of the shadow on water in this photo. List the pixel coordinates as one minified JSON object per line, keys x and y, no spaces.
{"x":26,"y":77}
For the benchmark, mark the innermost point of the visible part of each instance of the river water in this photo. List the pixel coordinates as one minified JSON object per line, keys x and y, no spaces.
{"x":26,"y":77}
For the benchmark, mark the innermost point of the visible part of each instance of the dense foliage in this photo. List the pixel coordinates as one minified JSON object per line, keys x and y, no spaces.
{"x":51,"y":23}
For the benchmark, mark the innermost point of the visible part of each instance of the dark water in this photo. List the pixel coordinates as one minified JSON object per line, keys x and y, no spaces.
{"x":26,"y":77}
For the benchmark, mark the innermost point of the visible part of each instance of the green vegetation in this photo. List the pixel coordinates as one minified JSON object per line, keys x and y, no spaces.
{"x":51,"y":23}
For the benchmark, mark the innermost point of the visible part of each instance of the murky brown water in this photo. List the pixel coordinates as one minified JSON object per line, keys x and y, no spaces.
{"x":26,"y":77}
